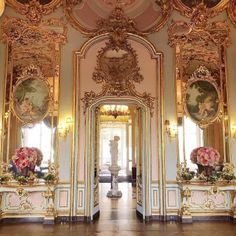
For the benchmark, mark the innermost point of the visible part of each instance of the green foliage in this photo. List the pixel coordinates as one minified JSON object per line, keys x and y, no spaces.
{"x":49,"y":177}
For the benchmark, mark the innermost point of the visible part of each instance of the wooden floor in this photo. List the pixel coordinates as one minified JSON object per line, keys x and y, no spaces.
{"x":118,"y":217}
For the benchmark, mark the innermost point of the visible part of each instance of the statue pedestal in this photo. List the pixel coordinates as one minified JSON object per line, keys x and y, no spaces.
{"x":114,"y":192}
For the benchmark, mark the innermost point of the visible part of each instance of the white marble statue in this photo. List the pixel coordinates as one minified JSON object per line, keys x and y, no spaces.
{"x":114,"y":150}
{"x":114,"y":169}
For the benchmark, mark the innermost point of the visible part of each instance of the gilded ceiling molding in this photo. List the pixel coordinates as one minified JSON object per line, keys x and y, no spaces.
{"x":231,"y":10}
{"x":34,"y":10}
{"x":187,"y":7}
{"x":164,"y":8}
{"x":16,"y":30}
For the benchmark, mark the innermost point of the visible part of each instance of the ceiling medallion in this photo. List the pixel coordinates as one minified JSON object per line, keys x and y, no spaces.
{"x":187,"y":7}
{"x":34,"y":10}
{"x":232,"y":11}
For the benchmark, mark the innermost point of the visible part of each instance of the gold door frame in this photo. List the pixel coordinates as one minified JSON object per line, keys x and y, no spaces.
{"x":91,"y":143}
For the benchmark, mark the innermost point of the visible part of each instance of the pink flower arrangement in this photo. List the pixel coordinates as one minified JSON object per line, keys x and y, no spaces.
{"x":205,"y":156}
{"x":27,"y":157}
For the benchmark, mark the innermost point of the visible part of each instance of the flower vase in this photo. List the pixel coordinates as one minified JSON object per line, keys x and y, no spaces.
{"x":200,"y":168}
{"x":25,"y":171}
{"x":208,"y":170}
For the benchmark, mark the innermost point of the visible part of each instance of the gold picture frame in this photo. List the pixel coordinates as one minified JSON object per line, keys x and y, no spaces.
{"x":31,"y":96}
{"x":201,"y":98}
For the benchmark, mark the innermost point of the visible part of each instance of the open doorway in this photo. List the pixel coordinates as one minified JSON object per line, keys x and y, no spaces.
{"x":117,"y":121}
{"x":136,"y":158}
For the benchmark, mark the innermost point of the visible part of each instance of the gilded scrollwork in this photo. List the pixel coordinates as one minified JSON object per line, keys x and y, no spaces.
{"x":34,"y":10}
{"x":213,"y":199}
{"x":117,"y":65}
{"x":117,"y":73}
{"x":18,"y":31}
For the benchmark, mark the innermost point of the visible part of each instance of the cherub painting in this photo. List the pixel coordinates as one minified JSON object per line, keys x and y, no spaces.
{"x":31,"y":100}
{"x":202,"y":101}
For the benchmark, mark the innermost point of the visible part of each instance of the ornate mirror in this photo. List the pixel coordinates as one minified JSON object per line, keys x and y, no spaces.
{"x":201,"y":87}
{"x":32,"y":88}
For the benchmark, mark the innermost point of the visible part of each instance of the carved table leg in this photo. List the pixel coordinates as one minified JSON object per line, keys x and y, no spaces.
{"x":50,"y":210}
{"x":233,"y":205}
{"x":185,"y":213}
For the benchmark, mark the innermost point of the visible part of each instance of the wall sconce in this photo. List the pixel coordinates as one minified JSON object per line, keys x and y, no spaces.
{"x":64,"y":127}
{"x":171,"y":129}
{"x":233,"y":131}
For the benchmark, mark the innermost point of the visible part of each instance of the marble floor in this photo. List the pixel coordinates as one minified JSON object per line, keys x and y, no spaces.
{"x":118,"y":217}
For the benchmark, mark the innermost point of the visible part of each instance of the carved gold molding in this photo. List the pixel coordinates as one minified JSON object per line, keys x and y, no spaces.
{"x":34,"y":10}
{"x":119,"y":72}
{"x":209,"y":12}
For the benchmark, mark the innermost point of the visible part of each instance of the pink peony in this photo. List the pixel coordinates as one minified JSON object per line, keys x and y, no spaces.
{"x":205,"y":156}
{"x":27,"y":157}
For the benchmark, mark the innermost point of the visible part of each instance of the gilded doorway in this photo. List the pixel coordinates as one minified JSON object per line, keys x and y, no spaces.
{"x":142,"y":149}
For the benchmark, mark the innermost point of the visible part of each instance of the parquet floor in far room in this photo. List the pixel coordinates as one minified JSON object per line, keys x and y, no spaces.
{"x":118,"y":217}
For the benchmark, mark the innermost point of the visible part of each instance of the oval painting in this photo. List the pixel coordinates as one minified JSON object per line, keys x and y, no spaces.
{"x":202,"y":101}
{"x":31,"y":100}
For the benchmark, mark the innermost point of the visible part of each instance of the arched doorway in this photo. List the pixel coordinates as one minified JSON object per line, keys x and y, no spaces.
{"x":89,"y":95}
{"x":142,"y":146}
